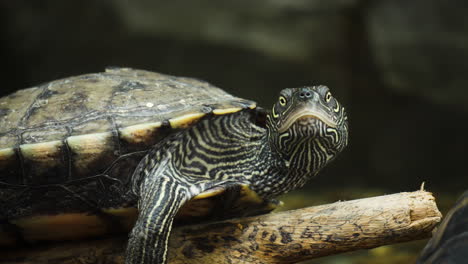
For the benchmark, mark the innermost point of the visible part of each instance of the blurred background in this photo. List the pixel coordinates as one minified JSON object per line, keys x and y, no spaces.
{"x":400,"y":68}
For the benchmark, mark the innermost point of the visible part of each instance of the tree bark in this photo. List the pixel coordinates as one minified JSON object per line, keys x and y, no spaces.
{"x":284,"y":237}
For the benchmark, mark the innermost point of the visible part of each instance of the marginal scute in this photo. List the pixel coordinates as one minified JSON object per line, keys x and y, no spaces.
{"x":88,"y":144}
{"x":42,"y":152}
{"x":6,"y":154}
{"x":42,"y":162}
{"x":225,"y":111}
{"x":139,"y":133}
{"x":185,"y":121}
{"x":93,"y":149}
{"x":9,"y":167}
{"x":57,"y":227}
{"x":210,"y":193}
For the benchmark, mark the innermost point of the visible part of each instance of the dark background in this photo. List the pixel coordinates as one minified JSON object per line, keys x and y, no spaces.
{"x":400,"y":68}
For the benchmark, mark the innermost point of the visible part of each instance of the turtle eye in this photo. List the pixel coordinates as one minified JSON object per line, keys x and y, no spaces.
{"x":328,"y":97}
{"x":282,"y":100}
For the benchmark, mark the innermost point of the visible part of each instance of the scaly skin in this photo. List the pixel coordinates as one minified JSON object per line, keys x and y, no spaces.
{"x":306,"y":129}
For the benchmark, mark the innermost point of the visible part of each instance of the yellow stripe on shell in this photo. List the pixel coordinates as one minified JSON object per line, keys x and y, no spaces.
{"x":210,"y":193}
{"x":45,"y":155}
{"x":7,"y":154}
{"x":40,"y":150}
{"x":139,"y":133}
{"x":60,"y":227}
{"x":185,"y":121}
{"x":69,"y":226}
{"x":90,"y":148}
{"x":224,"y":111}
{"x":88,"y":142}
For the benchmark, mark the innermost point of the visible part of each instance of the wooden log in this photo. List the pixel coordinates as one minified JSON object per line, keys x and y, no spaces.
{"x":284,"y":237}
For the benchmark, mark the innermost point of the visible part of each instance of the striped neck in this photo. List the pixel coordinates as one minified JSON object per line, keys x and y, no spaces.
{"x":280,"y":172}
{"x":294,"y":156}
{"x":229,"y":147}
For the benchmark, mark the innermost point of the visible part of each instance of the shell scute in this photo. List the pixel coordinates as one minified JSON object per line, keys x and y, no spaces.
{"x":81,"y":138}
{"x":43,"y":161}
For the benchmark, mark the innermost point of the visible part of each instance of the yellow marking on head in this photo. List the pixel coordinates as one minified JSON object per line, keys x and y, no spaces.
{"x":253,"y":106}
{"x":275,"y":115}
{"x":336,"y":109}
{"x":224,"y":111}
{"x":139,"y":133}
{"x":185,"y":121}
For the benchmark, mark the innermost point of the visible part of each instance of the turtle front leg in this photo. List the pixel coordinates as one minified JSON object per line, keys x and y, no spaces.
{"x":159,"y":202}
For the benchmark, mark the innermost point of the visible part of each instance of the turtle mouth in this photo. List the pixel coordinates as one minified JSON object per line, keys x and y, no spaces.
{"x":305,"y":116}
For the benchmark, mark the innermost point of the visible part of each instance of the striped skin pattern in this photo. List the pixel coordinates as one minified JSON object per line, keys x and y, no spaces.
{"x":309,"y":143}
{"x":219,"y":151}
{"x":229,"y":150}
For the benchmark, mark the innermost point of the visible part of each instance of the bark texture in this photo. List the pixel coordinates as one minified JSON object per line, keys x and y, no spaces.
{"x":285,"y":237}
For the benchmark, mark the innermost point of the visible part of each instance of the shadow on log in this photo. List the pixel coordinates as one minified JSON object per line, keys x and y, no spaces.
{"x":284,"y":237}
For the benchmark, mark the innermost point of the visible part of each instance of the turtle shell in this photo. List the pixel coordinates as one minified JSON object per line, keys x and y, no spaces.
{"x":69,"y":147}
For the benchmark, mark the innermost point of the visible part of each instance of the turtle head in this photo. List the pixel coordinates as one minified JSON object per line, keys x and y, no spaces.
{"x":308,"y":127}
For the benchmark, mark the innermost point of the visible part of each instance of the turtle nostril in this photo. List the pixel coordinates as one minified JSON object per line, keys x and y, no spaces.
{"x":305,"y":94}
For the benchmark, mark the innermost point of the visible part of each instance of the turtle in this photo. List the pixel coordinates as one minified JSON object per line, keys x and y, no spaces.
{"x":128,"y":150}
{"x":449,"y":242}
